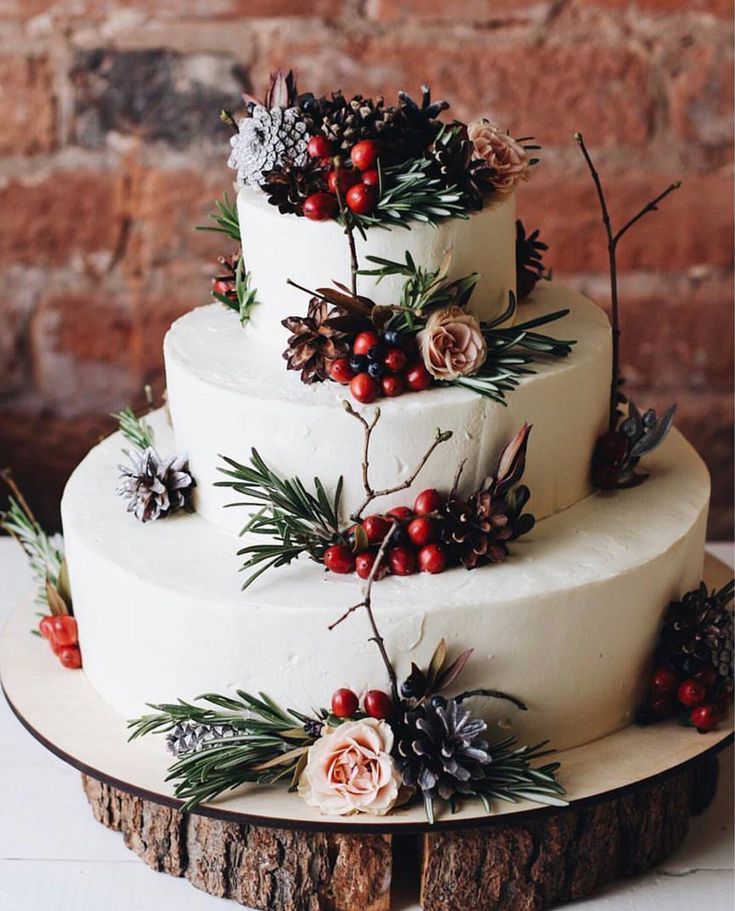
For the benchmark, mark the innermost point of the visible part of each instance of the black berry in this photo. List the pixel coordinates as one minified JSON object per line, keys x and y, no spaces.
{"x":392,"y":338}
{"x":358,"y":363}
{"x":375,"y":369}
{"x":376,"y":353}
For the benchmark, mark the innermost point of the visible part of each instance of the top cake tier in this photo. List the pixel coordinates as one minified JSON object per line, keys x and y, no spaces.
{"x":314,"y":254}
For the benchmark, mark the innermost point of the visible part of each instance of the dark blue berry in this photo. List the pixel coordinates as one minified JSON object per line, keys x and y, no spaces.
{"x":376,"y":353}
{"x":358,"y":363}
{"x":376,"y":369}
{"x":399,"y":536}
{"x":392,"y":338}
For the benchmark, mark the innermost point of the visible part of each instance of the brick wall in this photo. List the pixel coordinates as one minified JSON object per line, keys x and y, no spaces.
{"x":110,"y":151}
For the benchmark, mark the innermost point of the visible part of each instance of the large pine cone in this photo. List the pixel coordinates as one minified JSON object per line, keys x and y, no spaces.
{"x":314,"y":341}
{"x":287,"y":185}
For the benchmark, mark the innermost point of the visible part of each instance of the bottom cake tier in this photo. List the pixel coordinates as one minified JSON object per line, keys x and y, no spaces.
{"x":567,"y":624}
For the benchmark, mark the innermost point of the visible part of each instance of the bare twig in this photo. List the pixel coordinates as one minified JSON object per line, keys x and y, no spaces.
{"x":349,"y":227}
{"x":370,"y":493}
{"x":613,"y":238}
{"x":7,"y":476}
{"x":367,"y":604}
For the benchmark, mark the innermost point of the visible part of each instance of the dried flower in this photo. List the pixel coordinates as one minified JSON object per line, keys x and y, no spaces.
{"x":351,"y":770}
{"x":452,"y":344}
{"x":504,"y":155}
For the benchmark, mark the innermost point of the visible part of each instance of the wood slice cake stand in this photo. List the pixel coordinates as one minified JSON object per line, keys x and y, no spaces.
{"x":631,"y":795}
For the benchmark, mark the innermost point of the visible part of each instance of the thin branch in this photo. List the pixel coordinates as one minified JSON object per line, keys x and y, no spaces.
{"x":370,"y":493}
{"x":7,"y":476}
{"x":492,"y":694}
{"x":612,"y":245}
{"x":349,"y":227}
{"x":367,"y":604}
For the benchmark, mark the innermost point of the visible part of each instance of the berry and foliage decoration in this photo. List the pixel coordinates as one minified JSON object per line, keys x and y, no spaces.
{"x":427,"y":338}
{"x":630,"y":434}
{"x":693,"y":675}
{"x":442,"y":530}
{"x":232,"y":285}
{"x":46,"y":558}
{"x":154,"y":486}
{"x":384,"y":164}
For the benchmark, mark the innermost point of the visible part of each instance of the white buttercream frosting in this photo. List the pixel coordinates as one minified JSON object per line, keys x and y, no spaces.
{"x":567,"y":623}
{"x":277,"y":247}
{"x":227,"y":394}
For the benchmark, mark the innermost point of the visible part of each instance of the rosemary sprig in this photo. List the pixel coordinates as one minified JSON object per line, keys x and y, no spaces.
{"x":225,"y":219}
{"x":295,"y":520}
{"x":45,"y":555}
{"x":136,"y":430}
{"x":269,"y":747}
{"x":247,"y":296}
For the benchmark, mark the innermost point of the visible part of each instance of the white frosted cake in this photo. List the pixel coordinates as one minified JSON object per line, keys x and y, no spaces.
{"x":455,"y":391}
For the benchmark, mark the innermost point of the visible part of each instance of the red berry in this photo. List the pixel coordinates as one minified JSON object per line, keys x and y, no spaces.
{"x":364,"y":388}
{"x":402,"y":513}
{"x":340,"y":370}
{"x":612,"y":447}
{"x":44,"y":627}
{"x":70,"y":656}
{"x":319,"y":147}
{"x":392,"y":386}
{"x":361,"y":198}
{"x":364,"y":564}
{"x":55,"y":647}
{"x":371,"y":177}
{"x":664,"y":680}
{"x":707,"y":676}
{"x":376,"y":528}
{"x":364,"y":154}
{"x":395,"y":360}
{"x":428,"y":501}
{"x":418,"y":378}
{"x":432,"y":559}
{"x":347,"y":178}
{"x":705,"y":717}
{"x":691,"y":692}
{"x":222,"y":286}
{"x":320,"y":206}
{"x":339,"y":559}
{"x":402,"y":561}
{"x":663,"y":706}
{"x":420,"y":531}
{"x":64,"y":630}
{"x":378,"y":704}
{"x":344,"y":703}
{"x":364,"y":341}
{"x":605,"y":476}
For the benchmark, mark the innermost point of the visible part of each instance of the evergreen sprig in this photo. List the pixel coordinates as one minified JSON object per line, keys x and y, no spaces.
{"x":269,"y":747}
{"x":225,"y":219}
{"x":294,"y":519}
{"x":136,"y":430}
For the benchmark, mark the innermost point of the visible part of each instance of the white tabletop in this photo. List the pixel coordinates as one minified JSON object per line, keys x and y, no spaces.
{"x":55,"y":857}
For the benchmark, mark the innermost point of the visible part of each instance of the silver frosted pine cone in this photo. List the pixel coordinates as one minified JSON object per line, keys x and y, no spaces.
{"x":190,"y":737}
{"x":155,"y":487}
{"x":266,"y":139}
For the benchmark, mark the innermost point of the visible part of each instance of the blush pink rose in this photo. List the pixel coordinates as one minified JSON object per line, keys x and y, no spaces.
{"x":507,"y":158}
{"x":452,"y":344}
{"x":351,"y":770}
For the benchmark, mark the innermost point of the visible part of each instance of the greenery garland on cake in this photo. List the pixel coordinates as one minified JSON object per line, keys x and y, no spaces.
{"x":443,"y":529}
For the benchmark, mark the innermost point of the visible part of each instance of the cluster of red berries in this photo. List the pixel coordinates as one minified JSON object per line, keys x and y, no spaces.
{"x":358,"y":182}
{"x":381,"y":364}
{"x":697,"y":699}
{"x":62,"y":635}
{"x":415,"y":544}
{"x":375,"y":704}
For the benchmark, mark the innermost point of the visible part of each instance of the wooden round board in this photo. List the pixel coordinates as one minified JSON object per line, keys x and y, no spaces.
{"x":64,"y":713}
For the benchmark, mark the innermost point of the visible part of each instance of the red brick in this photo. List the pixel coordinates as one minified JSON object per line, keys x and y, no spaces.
{"x":28,"y":106}
{"x":722,"y":8}
{"x":45,"y":221}
{"x":19,"y":291}
{"x":548,"y":90}
{"x":470,"y":10}
{"x":700,"y":89}
{"x":168,"y":9}
{"x":692,"y":226}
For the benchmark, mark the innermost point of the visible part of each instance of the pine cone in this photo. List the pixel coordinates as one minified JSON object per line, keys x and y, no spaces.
{"x":439,"y":749}
{"x":451,"y":157}
{"x":529,"y":260}
{"x":347,"y":121}
{"x":155,"y":487}
{"x":288,"y":185}
{"x":698,"y":631}
{"x":190,"y":737}
{"x":314,"y":341}
{"x":224,"y":283}
{"x":266,"y":139}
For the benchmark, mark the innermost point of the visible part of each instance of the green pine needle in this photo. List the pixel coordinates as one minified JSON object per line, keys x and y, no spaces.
{"x":225,"y":219}
{"x":45,"y":555}
{"x":294,"y":519}
{"x":135,"y":430}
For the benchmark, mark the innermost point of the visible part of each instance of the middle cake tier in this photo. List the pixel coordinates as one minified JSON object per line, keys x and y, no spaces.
{"x":228,"y":395}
